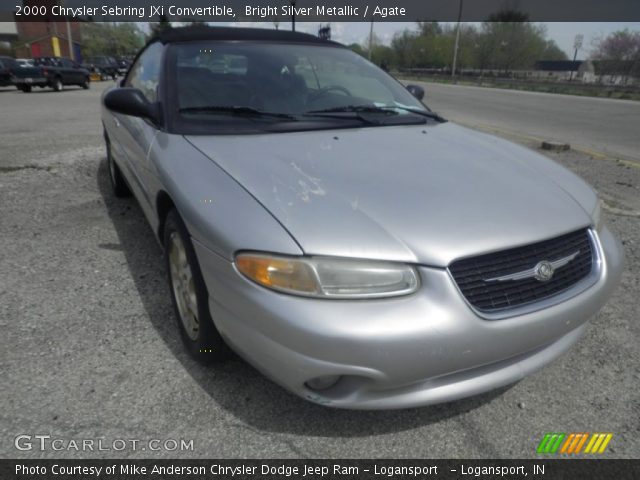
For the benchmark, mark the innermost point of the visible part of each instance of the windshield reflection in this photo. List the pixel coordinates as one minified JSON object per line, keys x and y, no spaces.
{"x":216,"y":79}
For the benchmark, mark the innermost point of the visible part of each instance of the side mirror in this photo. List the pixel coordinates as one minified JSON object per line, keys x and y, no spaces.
{"x":131,"y":101}
{"x":416,"y":91}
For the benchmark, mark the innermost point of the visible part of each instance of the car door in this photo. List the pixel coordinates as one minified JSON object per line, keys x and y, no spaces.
{"x":135,"y":134}
{"x":78,"y":75}
{"x":63,"y":71}
{"x":68,"y":72}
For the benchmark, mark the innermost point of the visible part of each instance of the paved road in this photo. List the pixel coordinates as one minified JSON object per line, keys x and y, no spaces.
{"x":40,"y":128}
{"x":608,"y":126}
{"x":89,"y":348}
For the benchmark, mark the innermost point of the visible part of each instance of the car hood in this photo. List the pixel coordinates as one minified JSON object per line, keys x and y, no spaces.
{"x":423,"y":194}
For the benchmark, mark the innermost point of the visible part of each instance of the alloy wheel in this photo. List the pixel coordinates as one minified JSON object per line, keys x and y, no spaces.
{"x":183,"y":286}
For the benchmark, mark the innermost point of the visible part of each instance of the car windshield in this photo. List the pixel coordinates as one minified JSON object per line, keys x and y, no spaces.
{"x":215,"y":80}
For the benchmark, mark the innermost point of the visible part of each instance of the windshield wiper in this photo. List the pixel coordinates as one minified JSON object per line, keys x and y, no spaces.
{"x":356,"y":112}
{"x":386,"y":109}
{"x":424,"y":113}
{"x":354,"y":109}
{"x":246,"y":111}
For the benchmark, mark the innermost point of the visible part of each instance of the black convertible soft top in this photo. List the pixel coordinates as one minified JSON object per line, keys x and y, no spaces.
{"x":202,"y":32}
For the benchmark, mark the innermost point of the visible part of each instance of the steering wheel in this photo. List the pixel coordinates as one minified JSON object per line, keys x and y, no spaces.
{"x":324,"y":90}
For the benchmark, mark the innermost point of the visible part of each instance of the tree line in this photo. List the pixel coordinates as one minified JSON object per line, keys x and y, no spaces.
{"x":494,"y":45}
{"x":112,"y":39}
{"x":505,"y":42}
{"x":618,"y":54}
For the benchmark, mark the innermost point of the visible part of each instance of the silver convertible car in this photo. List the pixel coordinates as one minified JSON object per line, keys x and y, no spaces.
{"x":351,"y":244}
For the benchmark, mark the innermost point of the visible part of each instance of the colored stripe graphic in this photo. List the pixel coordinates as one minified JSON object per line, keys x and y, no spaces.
{"x":568,"y":443}
{"x":572,"y":443}
{"x":593,"y":439}
{"x":550,"y":443}
{"x":598,"y":443}
{"x":543,"y":443}
{"x":606,"y":441}
{"x":556,"y":445}
{"x":581,"y":443}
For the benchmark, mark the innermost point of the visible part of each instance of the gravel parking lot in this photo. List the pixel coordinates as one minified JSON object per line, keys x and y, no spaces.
{"x":91,"y":350}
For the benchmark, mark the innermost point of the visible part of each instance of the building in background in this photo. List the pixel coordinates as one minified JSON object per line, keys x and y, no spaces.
{"x":558,"y":70}
{"x":8,"y":32}
{"x":48,"y":38}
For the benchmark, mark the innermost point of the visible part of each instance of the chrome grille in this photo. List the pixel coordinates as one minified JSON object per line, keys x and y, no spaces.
{"x":471,"y":274}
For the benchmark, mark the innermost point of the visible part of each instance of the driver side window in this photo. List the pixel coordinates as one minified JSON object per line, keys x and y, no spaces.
{"x":145,"y":73}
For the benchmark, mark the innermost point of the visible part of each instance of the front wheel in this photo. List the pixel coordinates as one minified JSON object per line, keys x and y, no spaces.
{"x":25,"y":88}
{"x":189,"y":294}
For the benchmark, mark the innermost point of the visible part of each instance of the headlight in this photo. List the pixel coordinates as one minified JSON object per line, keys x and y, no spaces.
{"x":328,"y":277}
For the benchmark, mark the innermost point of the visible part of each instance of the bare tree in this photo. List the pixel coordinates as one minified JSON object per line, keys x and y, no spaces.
{"x":619,"y":54}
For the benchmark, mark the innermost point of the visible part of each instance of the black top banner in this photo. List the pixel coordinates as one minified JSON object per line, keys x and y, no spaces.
{"x":322,"y":10}
{"x":319,"y":469}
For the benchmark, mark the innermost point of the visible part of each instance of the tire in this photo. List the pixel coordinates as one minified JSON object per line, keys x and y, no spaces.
{"x":103,"y":76}
{"x":189,"y":294}
{"x":25,"y":88}
{"x":86,"y":83}
{"x":57,"y":84}
{"x":118,"y":183}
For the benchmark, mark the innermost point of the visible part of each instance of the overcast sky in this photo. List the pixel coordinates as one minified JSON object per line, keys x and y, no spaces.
{"x":358,"y":32}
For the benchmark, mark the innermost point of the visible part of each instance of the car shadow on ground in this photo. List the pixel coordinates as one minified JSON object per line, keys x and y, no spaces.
{"x":234,"y":385}
{"x":66,"y":88}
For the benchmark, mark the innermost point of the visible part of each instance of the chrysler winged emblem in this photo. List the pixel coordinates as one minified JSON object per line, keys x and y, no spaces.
{"x":543,"y":270}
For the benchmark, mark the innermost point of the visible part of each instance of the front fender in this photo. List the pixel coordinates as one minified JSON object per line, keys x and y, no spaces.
{"x":219,"y":212}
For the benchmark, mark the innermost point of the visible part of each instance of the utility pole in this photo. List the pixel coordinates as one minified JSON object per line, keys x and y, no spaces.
{"x":577,"y":44}
{"x":371,"y":40}
{"x":55,"y":41}
{"x":72,"y":55}
{"x":455,"y":47}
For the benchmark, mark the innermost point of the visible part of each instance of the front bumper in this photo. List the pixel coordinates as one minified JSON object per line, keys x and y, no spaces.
{"x":425,"y":348}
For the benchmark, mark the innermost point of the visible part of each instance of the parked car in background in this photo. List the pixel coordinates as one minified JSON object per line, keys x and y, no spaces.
{"x":7,"y":66}
{"x":338,"y":234}
{"x":53,"y":72}
{"x":123,"y":65}
{"x":24,"y":62}
{"x":106,"y":67}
